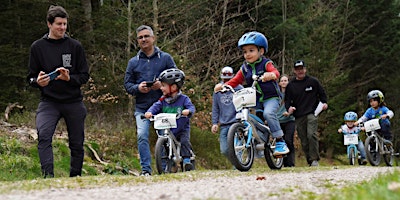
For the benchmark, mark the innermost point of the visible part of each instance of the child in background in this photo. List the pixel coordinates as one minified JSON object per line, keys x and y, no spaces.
{"x":377,"y":110}
{"x":173,"y":101}
{"x":254,"y":45}
{"x":223,"y":110}
{"x":349,"y":128}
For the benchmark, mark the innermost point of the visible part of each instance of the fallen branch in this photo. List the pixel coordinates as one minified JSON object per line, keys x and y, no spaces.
{"x":9,"y":108}
{"x":105,"y":163}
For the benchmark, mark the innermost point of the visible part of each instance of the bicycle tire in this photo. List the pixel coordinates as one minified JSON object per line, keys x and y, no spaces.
{"x":273,"y":162}
{"x":373,"y":155}
{"x":388,"y":157}
{"x":239,"y":155}
{"x":352,"y":156}
{"x":163,"y":163}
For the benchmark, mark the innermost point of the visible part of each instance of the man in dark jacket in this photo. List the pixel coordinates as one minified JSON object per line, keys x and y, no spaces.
{"x":302,"y":96}
{"x":140,"y":81}
{"x":58,"y":67}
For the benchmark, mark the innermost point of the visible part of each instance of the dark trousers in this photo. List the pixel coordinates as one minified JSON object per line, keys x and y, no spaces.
{"x":307,"y":131}
{"x":47,"y":117}
{"x":288,"y":135}
{"x":184,"y":138}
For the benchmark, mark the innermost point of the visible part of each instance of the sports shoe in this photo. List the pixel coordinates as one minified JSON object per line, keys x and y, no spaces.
{"x":364,"y":161}
{"x":145,"y":173}
{"x":281,"y":149}
{"x":187,"y":166}
{"x":314,"y":163}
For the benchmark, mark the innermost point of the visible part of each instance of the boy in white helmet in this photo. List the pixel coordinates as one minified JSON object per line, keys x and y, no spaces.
{"x":223,"y":111}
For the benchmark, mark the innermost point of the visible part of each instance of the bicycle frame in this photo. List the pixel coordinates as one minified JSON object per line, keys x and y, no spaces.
{"x":174,"y":145}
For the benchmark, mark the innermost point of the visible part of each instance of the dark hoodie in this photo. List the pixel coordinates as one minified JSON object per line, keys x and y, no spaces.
{"x":47,"y":55}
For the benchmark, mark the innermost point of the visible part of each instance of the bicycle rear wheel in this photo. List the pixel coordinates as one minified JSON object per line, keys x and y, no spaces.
{"x":163,"y":163}
{"x":240,"y":155}
{"x":388,"y":156}
{"x":372,"y":151}
{"x":274,"y":162}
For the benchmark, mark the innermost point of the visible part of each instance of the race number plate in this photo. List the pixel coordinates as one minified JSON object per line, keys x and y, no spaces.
{"x":350,"y":139}
{"x":165,"y":121}
{"x":245,"y":97}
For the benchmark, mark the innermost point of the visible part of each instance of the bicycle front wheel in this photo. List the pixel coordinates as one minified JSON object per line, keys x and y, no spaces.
{"x":239,"y":154}
{"x":372,"y":151}
{"x":163,"y":163}
{"x":352,"y":156}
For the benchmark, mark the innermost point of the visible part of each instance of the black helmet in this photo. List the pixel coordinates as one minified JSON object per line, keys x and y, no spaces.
{"x":376,"y":94}
{"x":172,"y":76}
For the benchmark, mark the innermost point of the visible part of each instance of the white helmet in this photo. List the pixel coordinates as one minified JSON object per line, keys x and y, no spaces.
{"x":227,"y":72}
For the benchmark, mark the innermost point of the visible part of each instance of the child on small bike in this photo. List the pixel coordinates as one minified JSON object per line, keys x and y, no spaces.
{"x":349,"y":128}
{"x":377,"y":110}
{"x":173,"y":101}
{"x":254,"y":45}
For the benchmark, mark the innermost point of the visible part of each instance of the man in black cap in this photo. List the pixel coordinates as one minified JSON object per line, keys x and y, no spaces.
{"x":302,"y":96}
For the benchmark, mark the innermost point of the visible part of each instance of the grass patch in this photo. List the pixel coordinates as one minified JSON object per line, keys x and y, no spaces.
{"x":385,"y":186}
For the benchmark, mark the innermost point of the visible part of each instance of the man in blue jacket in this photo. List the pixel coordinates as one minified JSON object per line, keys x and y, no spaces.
{"x":140,"y":81}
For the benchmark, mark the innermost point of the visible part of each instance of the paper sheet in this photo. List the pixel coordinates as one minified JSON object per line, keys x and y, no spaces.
{"x":318,"y":109}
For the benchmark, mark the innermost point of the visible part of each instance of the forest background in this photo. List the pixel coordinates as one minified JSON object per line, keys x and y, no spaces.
{"x":351,"y":46}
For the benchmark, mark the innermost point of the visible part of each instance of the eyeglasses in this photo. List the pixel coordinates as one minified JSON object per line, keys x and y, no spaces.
{"x":227,"y":73}
{"x":143,"y":36}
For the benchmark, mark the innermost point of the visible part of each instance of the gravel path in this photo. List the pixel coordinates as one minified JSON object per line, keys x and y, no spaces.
{"x":283,"y":184}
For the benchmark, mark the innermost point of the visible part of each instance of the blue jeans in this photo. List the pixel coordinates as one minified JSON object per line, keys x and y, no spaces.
{"x":223,"y":134}
{"x":361,"y":149}
{"x":142,"y":127}
{"x":271,"y":107}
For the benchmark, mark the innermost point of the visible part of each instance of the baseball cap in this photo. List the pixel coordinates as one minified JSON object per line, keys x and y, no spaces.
{"x":299,"y":63}
{"x":227,"y":72}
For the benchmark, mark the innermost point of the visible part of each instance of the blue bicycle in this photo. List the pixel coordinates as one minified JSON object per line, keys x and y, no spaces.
{"x":351,"y":141}
{"x":249,"y":135}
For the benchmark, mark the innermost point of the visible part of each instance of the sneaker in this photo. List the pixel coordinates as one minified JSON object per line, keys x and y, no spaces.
{"x":314,"y":163}
{"x":145,"y":173}
{"x":187,"y":165}
{"x":281,"y":148}
{"x":364,"y":161}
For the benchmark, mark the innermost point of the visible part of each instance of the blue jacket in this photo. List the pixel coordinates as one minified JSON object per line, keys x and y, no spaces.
{"x":181,"y":103}
{"x":142,"y":68}
{"x":223,"y":110}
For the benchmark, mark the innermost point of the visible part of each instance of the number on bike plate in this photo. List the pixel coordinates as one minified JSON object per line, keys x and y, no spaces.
{"x":372,"y":125}
{"x":245,"y":97}
{"x":165,"y":121}
{"x":350,"y":139}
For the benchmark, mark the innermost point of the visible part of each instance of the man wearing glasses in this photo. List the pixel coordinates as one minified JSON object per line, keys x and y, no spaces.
{"x":140,"y":81}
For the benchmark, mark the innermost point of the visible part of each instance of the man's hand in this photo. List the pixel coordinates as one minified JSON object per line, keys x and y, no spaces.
{"x":64,"y":74}
{"x":43,"y":79}
{"x":214,"y":128}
